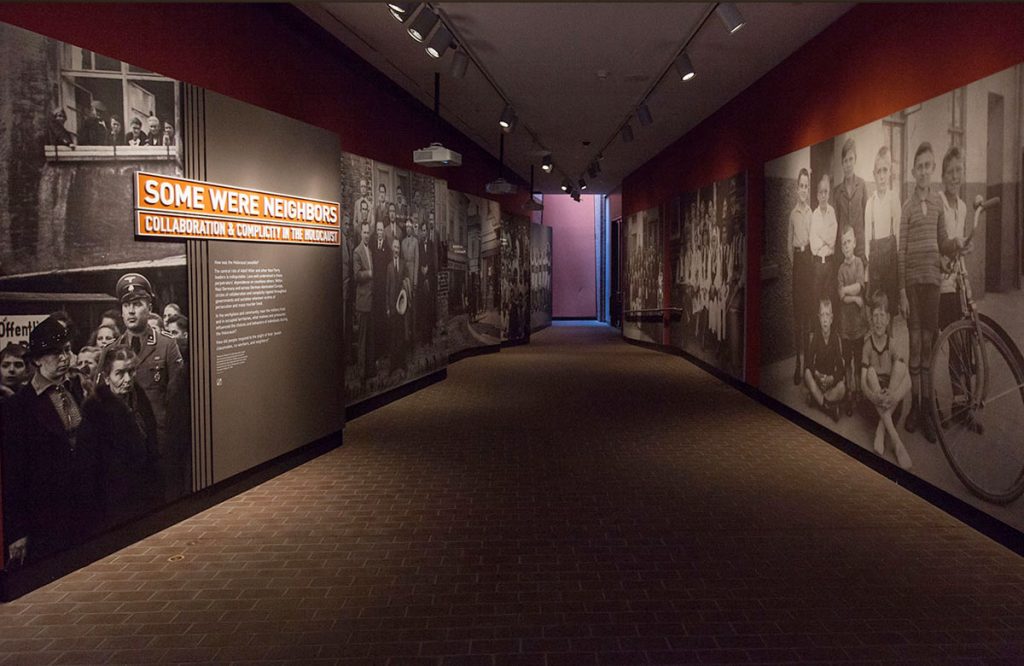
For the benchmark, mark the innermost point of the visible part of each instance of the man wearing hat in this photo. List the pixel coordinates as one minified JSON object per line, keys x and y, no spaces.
{"x":94,"y":131}
{"x":160,"y":374}
{"x":50,"y":484}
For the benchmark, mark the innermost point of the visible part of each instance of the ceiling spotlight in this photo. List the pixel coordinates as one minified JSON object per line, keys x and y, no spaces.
{"x":583,"y":184}
{"x":546,"y":164}
{"x":439,"y":42}
{"x":460,"y":62}
{"x":643,"y":114}
{"x":592,"y":169}
{"x":566,"y":185}
{"x":512,"y":125}
{"x":627,"y":133}
{"x":507,"y":118}
{"x":402,"y":10}
{"x":730,"y":15}
{"x":423,"y":24}
{"x":685,"y":67}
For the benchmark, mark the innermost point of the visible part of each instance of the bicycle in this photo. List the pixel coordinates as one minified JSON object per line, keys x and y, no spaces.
{"x":977,"y":377}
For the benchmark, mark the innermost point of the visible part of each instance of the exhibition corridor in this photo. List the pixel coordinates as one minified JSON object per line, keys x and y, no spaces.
{"x":578,"y":500}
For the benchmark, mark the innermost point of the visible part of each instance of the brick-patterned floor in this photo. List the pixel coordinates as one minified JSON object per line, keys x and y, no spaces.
{"x":574,"y":501}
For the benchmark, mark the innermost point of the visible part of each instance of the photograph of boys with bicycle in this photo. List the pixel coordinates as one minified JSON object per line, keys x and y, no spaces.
{"x":892,"y":309}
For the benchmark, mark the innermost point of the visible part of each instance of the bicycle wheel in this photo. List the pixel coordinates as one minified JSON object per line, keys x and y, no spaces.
{"x":978,"y":409}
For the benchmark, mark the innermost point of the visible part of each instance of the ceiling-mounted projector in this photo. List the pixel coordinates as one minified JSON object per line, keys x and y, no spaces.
{"x":436,"y":155}
{"x":500,"y":186}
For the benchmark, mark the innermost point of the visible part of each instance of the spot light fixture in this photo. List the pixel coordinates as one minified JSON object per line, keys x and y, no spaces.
{"x":685,"y":66}
{"x":460,"y":62}
{"x":402,"y":11}
{"x":730,"y":16}
{"x":423,"y":24}
{"x":439,"y":41}
{"x":566,"y":185}
{"x":643,"y":114}
{"x":583,"y":185}
{"x":546,"y":165}
{"x":508,"y":118}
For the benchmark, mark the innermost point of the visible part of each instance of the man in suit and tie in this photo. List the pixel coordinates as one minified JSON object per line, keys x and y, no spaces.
{"x":396,"y":309}
{"x":362,"y":270}
{"x":160,"y":374}
{"x":50,"y":483}
{"x":380,"y":254}
{"x":391,"y":230}
{"x":426,"y":296}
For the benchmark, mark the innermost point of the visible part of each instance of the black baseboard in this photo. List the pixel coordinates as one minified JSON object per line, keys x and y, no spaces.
{"x":539,"y":328}
{"x":473,"y":351}
{"x":366,"y":406}
{"x":17,"y":582}
{"x":515,"y":343}
{"x":971,"y":516}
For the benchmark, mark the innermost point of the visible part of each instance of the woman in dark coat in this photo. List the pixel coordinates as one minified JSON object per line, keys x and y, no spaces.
{"x":118,"y":423}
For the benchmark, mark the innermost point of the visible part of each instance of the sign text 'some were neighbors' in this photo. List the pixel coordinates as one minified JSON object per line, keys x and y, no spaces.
{"x":169,"y":207}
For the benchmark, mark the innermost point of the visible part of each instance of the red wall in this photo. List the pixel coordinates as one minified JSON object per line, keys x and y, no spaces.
{"x":573,"y":265}
{"x":275,"y":57}
{"x":876,"y":59}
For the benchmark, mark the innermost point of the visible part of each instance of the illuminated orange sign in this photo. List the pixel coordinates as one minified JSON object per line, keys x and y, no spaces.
{"x":169,"y":207}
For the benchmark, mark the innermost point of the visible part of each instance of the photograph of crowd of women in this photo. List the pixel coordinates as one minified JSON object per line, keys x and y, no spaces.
{"x":94,"y":396}
{"x":642,"y":317}
{"x":515,"y":278}
{"x":474,"y":265}
{"x":892,"y":308}
{"x":392,"y":254}
{"x":708,"y":247}
{"x":540,"y":276}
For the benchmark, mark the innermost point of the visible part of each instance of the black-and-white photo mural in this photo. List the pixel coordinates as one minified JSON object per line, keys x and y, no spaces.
{"x":708,"y":248}
{"x":94,"y":348}
{"x":540,"y":276}
{"x":474,"y":272}
{"x":645,"y":280}
{"x":515,"y":278}
{"x":892,"y":309}
{"x":393,"y":254}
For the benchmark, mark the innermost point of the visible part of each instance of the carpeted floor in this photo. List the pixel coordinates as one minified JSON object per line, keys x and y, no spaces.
{"x":577,"y":500}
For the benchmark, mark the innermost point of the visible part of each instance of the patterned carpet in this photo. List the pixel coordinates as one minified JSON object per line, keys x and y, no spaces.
{"x":576,"y":500}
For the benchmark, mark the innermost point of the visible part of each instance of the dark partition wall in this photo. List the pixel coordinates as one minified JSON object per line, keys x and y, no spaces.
{"x":397,"y":293}
{"x":515,"y":279}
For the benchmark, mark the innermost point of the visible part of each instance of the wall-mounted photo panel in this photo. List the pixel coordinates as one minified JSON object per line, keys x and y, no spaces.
{"x":94,"y":388}
{"x":892,"y":310}
{"x":540,"y":276}
{"x":133,"y":361}
{"x":515,"y":279}
{"x":394,"y":254}
{"x":474,"y":272}
{"x":709,"y":250}
{"x":644,"y":283}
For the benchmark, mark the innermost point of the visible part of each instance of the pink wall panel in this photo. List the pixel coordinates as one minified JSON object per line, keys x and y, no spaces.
{"x":573,"y":266}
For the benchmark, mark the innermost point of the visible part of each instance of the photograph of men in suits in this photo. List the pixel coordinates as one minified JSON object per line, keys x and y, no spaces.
{"x":362,"y":269}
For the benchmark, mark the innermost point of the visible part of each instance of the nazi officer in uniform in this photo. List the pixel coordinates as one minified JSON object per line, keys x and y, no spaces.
{"x":50,"y":479}
{"x":160,"y":373}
